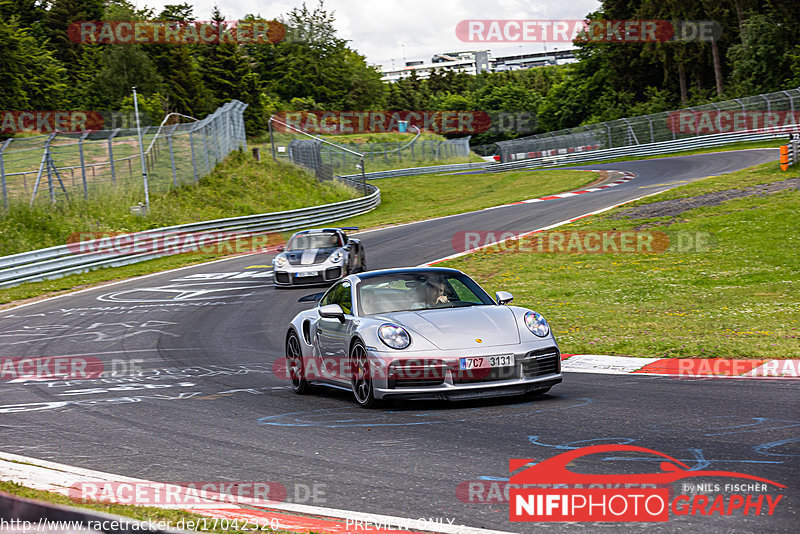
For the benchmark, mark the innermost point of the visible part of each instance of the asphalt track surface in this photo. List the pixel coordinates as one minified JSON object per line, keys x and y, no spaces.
{"x":206,"y":405}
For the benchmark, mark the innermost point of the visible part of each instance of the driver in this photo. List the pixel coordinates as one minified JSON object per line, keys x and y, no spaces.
{"x":434,"y":292}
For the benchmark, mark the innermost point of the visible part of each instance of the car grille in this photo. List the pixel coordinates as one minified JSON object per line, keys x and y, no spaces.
{"x":282,"y":278}
{"x":542,"y":362}
{"x":299,"y":280}
{"x":416,"y":374}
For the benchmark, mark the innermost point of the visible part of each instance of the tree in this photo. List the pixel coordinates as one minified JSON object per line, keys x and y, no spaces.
{"x":61,"y":14}
{"x":31,"y":78}
{"x":762,"y":62}
{"x":183,"y":89}
{"x":312,"y":62}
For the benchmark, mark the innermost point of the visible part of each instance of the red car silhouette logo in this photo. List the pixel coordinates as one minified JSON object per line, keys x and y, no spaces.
{"x":554,"y":470}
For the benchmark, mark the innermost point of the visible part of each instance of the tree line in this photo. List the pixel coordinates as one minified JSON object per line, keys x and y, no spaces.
{"x":757,"y":51}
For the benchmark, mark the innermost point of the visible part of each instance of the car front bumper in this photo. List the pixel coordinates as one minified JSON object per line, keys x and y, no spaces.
{"x":536,"y":367}
{"x":326,"y":274}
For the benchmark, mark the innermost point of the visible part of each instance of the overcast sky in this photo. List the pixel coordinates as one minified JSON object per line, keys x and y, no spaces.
{"x":378,"y":29}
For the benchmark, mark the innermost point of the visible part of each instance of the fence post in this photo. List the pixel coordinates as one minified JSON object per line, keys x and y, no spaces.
{"x":172,"y":156}
{"x":111,"y":155}
{"x":83,"y":164}
{"x":194,"y":165}
{"x":791,"y":101}
{"x":205,"y":144}
{"x":3,"y":171}
{"x":271,"y":139}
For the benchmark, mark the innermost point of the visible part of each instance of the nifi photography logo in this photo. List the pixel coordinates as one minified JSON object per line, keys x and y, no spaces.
{"x":550,"y":491}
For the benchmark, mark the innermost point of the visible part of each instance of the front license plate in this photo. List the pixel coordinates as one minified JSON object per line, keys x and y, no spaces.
{"x":487,"y":362}
{"x":302,"y":274}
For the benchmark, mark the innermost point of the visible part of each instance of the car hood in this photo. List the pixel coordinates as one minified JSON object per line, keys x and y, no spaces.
{"x":459,"y":328}
{"x":308,"y":256}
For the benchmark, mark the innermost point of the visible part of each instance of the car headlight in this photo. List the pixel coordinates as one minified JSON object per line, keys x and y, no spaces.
{"x":537,"y":324}
{"x":279,"y":261}
{"x":394,"y":336}
{"x":337,"y":256}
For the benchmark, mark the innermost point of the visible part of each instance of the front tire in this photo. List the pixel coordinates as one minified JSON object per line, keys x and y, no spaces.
{"x":294,"y":365}
{"x":361,"y":380}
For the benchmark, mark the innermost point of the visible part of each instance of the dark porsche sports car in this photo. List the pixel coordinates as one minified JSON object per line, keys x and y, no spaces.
{"x":318,"y":256}
{"x":420,"y":333}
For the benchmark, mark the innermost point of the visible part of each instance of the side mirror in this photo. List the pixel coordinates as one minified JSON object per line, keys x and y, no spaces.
{"x":311,"y":298}
{"x":504,"y":297}
{"x":332,"y":311}
{"x":281,"y":248}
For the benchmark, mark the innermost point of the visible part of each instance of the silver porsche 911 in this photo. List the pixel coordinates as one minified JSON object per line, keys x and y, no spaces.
{"x":318,"y":256}
{"x":419,"y":333}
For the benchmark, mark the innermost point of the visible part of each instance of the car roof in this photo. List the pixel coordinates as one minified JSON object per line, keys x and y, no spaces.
{"x":406,"y":270}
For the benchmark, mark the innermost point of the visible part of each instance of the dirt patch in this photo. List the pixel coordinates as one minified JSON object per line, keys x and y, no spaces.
{"x":673,"y":208}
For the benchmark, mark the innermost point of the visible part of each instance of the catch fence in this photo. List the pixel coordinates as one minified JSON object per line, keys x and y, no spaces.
{"x":773,"y":114}
{"x":92,"y":164}
{"x":326,"y":157}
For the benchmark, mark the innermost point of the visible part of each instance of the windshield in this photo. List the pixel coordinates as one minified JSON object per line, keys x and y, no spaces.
{"x":306,"y":241}
{"x":419,"y":291}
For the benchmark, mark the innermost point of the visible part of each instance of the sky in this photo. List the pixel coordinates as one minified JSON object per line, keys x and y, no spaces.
{"x":386,"y":30}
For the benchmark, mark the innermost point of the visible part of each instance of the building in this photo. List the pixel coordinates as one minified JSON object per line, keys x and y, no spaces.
{"x":478,"y":61}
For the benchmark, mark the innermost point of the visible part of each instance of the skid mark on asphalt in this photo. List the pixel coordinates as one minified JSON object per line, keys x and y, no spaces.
{"x":357,"y":417}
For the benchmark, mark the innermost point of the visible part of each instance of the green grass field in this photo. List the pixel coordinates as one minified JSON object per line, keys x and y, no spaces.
{"x":737,"y":297}
{"x":238,"y":186}
{"x":415,"y":198}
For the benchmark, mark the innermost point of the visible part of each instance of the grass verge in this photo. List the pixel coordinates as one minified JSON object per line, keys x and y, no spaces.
{"x":735,"y":296}
{"x":170,"y":517}
{"x":399,"y":204}
{"x":238,"y":186}
{"x":415,"y":198}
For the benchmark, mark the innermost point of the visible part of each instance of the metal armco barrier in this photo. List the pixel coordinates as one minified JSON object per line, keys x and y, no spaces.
{"x":26,"y":515}
{"x":649,"y":149}
{"x":55,"y":262}
{"x":789,"y":155}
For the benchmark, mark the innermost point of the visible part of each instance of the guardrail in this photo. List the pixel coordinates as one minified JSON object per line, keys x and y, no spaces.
{"x":648,"y":149}
{"x":62,"y":260}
